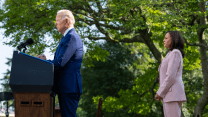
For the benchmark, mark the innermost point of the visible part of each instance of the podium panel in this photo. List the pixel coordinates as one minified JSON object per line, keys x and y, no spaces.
{"x":34,"y":105}
{"x":31,"y":74}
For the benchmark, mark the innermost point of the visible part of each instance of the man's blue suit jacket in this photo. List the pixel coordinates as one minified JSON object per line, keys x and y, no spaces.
{"x":67,"y":63}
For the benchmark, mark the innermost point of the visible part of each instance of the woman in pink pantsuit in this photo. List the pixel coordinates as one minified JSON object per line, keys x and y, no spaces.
{"x":171,"y":88}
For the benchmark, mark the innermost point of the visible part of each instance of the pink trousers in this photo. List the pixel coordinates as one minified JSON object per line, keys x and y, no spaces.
{"x":172,"y":109}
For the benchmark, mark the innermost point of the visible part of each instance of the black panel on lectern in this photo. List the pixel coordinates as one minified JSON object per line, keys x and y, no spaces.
{"x":30,"y":74}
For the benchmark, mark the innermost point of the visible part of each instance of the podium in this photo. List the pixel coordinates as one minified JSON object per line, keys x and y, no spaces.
{"x":31,"y":81}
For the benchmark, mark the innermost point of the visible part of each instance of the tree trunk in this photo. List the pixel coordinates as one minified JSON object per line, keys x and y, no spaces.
{"x":200,"y":106}
{"x":203,"y":101}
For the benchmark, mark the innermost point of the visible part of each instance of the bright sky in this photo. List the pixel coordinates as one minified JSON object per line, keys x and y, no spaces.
{"x":5,"y":52}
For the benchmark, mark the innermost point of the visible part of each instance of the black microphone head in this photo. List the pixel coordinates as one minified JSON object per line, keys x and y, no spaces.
{"x":29,"y":41}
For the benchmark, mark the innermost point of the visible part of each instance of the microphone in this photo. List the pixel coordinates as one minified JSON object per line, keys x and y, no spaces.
{"x":23,"y":45}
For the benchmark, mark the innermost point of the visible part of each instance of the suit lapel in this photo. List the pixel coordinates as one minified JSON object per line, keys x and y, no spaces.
{"x":58,"y":47}
{"x":164,"y":59}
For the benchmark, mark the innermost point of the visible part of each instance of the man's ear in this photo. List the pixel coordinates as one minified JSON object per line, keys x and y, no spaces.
{"x":68,"y":22}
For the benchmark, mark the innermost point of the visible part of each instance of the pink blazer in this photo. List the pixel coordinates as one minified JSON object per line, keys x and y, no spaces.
{"x":171,"y":87}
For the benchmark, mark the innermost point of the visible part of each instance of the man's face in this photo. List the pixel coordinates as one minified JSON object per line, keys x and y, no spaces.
{"x":60,"y":23}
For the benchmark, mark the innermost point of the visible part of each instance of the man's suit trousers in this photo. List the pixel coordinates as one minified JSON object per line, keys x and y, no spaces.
{"x":68,"y":104}
{"x":172,"y":109}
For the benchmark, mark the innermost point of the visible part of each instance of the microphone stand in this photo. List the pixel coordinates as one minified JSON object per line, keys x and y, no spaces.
{"x":7,"y":113}
{"x":24,"y":49}
{"x":20,"y":47}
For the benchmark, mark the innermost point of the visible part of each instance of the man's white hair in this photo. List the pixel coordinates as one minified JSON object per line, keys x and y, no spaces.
{"x":66,"y":13}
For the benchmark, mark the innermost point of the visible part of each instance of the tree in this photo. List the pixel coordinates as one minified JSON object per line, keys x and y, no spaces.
{"x":129,"y":21}
{"x":107,"y":77}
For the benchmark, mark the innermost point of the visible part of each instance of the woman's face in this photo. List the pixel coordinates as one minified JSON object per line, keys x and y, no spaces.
{"x":167,"y":41}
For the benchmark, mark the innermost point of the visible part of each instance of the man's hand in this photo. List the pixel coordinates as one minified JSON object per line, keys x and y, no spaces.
{"x":42,"y":57}
{"x":158,"y":98}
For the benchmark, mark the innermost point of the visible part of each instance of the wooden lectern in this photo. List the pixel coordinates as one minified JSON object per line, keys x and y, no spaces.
{"x":34,"y":105}
{"x":31,"y":81}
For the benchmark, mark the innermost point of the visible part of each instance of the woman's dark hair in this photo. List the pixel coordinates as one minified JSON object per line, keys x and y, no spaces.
{"x":176,"y":41}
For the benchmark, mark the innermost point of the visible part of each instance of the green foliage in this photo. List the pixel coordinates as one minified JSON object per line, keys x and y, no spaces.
{"x":138,"y":99}
{"x":94,"y":53}
{"x":193,"y":84}
{"x":115,"y":20}
{"x":28,"y":19}
{"x":192,"y":58}
{"x":106,"y":78}
{"x":80,"y":112}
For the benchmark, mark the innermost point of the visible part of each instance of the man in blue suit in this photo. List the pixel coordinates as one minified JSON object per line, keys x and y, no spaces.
{"x":67,"y":63}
